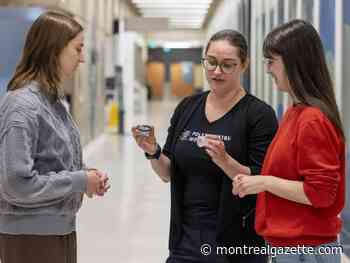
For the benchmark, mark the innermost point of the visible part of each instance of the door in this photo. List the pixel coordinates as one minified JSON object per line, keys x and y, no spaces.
{"x":155,"y":78}
{"x":181,"y":79}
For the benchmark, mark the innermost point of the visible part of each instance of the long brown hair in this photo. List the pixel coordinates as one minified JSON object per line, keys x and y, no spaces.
{"x":47,"y":37}
{"x":300,"y":47}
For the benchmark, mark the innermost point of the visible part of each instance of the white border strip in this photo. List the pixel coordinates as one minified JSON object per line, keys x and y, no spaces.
{"x":253,"y":50}
{"x":285,"y":99}
{"x":338,"y":56}
{"x":275,"y":24}
{"x":316,"y":15}
{"x":345,"y":259}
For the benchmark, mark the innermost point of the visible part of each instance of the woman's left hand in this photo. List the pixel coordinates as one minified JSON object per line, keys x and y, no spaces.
{"x":216,"y":150}
{"x":243,"y":184}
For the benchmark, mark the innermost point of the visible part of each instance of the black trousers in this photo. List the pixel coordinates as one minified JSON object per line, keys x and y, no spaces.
{"x":234,"y":259}
{"x":38,"y":249}
{"x":189,"y":249}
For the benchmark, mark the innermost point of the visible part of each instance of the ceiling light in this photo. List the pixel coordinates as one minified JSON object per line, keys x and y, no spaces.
{"x":171,"y":1}
{"x":181,"y":20}
{"x":180,"y":44}
{"x":173,"y":12}
{"x":172,"y":8}
{"x":173,"y":5}
{"x":178,"y":16}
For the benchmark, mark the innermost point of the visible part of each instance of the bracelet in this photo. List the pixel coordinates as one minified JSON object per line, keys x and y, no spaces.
{"x":156,"y":155}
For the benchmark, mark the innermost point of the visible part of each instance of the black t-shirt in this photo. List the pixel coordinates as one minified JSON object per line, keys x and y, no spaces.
{"x":250,"y":125}
{"x":202,"y":177}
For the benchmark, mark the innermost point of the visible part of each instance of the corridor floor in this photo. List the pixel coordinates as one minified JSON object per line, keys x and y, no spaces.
{"x":130,"y":223}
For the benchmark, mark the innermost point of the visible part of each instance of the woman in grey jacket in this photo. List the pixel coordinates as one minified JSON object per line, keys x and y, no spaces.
{"x":42,"y":178}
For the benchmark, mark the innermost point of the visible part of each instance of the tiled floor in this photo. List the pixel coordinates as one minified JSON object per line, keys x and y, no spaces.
{"x":130,"y":224}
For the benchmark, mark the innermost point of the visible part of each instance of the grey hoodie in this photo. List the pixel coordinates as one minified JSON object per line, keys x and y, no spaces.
{"x":41,"y":172}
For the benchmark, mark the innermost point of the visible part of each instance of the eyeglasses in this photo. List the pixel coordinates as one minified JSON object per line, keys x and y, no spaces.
{"x":267,"y":61}
{"x":211,"y":64}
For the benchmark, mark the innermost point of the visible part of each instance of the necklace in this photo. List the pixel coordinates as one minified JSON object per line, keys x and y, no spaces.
{"x":215,"y":111}
{"x":214,"y":100}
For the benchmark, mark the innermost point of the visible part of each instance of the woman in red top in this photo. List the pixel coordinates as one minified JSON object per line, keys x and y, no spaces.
{"x":302,"y":190}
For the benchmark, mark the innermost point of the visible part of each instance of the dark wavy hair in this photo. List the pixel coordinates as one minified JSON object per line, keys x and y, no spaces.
{"x":47,"y":37}
{"x":300,"y":47}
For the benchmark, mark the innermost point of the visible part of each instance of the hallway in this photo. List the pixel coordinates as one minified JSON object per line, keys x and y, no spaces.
{"x":130,"y":224}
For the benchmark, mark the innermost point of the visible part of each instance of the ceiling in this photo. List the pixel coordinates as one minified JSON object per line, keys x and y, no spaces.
{"x":181,"y":14}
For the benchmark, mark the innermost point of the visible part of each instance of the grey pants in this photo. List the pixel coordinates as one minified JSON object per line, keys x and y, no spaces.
{"x":38,"y":249}
{"x":326,"y":253}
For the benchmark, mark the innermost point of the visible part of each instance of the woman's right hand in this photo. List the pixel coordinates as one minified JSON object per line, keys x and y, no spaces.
{"x":147,"y":143}
{"x":96,"y":183}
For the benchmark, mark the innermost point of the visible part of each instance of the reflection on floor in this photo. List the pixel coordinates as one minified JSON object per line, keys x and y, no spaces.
{"x":130,"y":224}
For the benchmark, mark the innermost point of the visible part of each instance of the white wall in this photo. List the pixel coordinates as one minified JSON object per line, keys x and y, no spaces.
{"x":225,"y":17}
{"x":96,"y":17}
{"x":131,"y":87}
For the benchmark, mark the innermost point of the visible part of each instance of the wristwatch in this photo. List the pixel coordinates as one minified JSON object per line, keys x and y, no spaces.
{"x":156,"y":155}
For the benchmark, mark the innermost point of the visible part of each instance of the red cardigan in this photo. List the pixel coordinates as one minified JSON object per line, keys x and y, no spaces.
{"x":307,"y":148}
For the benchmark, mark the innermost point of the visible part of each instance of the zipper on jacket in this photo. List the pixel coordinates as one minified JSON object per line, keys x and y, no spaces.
{"x":246,"y":216}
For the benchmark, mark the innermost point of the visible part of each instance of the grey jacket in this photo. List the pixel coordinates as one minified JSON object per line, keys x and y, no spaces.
{"x":41,"y":172}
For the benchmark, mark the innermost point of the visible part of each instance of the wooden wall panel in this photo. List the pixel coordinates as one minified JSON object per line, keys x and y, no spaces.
{"x":178,"y":87}
{"x":155,"y":78}
{"x":198,"y":77}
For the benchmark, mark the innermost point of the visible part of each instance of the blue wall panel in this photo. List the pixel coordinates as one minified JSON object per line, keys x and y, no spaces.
{"x":346,"y":64}
{"x":327,"y":31}
{"x":346,"y":10}
{"x":14,"y":24}
{"x":327,"y":24}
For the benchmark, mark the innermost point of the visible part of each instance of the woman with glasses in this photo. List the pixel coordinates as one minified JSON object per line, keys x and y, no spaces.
{"x":213,"y":136}
{"x":302,"y":191}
